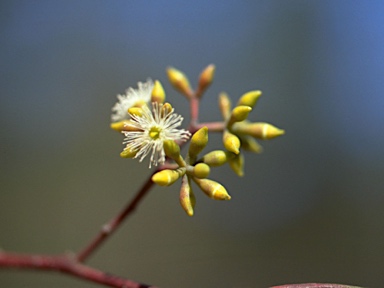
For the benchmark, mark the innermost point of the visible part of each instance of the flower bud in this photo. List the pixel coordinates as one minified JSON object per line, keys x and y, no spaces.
{"x":128,"y":153}
{"x":118,"y":126}
{"x":166,"y":108}
{"x":158,"y":94}
{"x":172,"y":150}
{"x":239,"y":113}
{"x":201,"y":170}
{"x":137,"y":111}
{"x":231,"y":142}
{"x":187,"y":198}
{"x":250,"y":98}
{"x":179,"y":81}
{"x":125,"y":125}
{"x":213,"y":189}
{"x":215,"y":158}
{"x":258,"y":130}
{"x":167,"y":177}
{"x":206,"y":78}
{"x":198,"y":142}
{"x":237,"y":164}
{"x":250,"y":144}
{"x":224,"y":105}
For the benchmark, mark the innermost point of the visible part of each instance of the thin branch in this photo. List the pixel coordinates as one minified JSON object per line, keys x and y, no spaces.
{"x":112,"y":226}
{"x":315,"y":285}
{"x":68,"y":265}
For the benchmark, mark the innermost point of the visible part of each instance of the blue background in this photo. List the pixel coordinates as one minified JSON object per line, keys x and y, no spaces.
{"x":309,"y":209}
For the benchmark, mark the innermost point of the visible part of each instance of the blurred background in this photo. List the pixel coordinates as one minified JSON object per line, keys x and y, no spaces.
{"x":309,"y":209}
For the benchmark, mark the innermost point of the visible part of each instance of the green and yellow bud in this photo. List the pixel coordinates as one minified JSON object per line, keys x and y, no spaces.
{"x":137,"y":111}
{"x":237,"y":164}
{"x":187,"y":198}
{"x":216,"y":158}
{"x":179,"y":81}
{"x":250,"y":98}
{"x":224,"y":105}
{"x":206,"y":78}
{"x":250,"y":144}
{"x":128,"y":153}
{"x":201,"y":170}
{"x":166,"y":108}
{"x":213,"y":189}
{"x":172,"y":150}
{"x":231,"y":142}
{"x":259,"y":130}
{"x":118,"y":126}
{"x":198,"y":142}
{"x":158,"y":94}
{"x":168,"y":177}
{"x":125,"y":125}
{"x":239,"y":113}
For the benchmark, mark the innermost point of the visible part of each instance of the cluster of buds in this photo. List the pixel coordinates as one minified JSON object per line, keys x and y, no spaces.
{"x":155,"y":131}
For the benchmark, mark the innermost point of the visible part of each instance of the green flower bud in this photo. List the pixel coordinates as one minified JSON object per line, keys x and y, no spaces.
{"x":179,"y":81}
{"x":250,"y":144}
{"x":198,"y":142}
{"x":137,"y":111}
{"x":128,"y":153}
{"x":205,"y":79}
{"x":213,"y":189}
{"x":167,"y":177}
{"x":187,"y":198}
{"x":158,"y":94}
{"x":231,"y":142}
{"x":239,"y":113}
{"x":201,"y":170}
{"x":224,"y":105}
{"x":250,"y":98}
{"x":237,"y":164}
{"x":258,"y":130}
{"x":215,"y":158}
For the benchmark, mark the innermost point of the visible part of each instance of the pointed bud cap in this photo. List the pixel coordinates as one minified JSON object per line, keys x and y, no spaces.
{"x":215,"y":158}
{"x":250,"y":144}
{"x":179,"y":81}
{"x":198,"y":142}
{"x":205,"y":79}
{"x":259,"y":130}
{"x":125,"y":125}
{"x":237,"y":164}
{"x":167,"y":177}
{"x":201,"y":170}
{"x":137,"y":111}
{"x":239,"y":113}
{"x":213,"y":189}
{"x":224,"y":105}
{"x":187,"y":198}
{"x":118,"y":126}
{"x":171,"y":149}
{"x":231,"y":142}
{"x":250,"y":98}
{"x":158,"y":94}
{"x":128,"y":153}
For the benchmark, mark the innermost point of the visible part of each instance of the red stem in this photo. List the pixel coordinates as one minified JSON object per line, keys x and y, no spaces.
{"x":66,"y":264}
{"x":112,"y":226}
{"x":315,"y":285}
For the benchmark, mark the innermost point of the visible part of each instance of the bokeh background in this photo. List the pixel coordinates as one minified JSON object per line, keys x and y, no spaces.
{"x":309,"y":209}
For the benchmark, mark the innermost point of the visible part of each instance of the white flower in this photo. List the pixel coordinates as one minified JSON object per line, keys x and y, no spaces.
{"x":155,"y":127}
{"x":131,"y":98}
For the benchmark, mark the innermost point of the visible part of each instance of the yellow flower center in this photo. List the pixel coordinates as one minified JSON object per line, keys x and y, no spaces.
{"x":154,"y":133}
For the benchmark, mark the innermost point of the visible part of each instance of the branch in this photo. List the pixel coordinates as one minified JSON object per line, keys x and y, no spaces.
{"x":315,"y":285}
{"x":68,"y":265}
{"x":115,"y":223}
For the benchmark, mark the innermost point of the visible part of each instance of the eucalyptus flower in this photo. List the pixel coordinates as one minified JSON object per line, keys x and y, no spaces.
{"x":153,"y":128}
